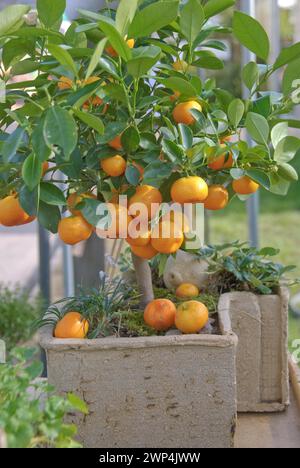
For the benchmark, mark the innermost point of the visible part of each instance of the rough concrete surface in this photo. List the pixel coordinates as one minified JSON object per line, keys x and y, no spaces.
{"x":172,"y":391}
{"x":261,"y":324}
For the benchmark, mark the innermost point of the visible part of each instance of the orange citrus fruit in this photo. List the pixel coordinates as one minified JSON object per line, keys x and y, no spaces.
{"x":167,"y":237}
{"x":64,"y":83}
{"x":140,"y":241}
{"x":72,"y":325}
{"x":118,"y":223}
{"x":245,"y":186}
{"x":217,"y":198}
{"x":160,"y":314}
{"x":113,"y":53}
{"x":179,"y":218}
{"x":74,"y":229}
{"x":114,"y":166}
{"x":222,"y":161}
{"x":182,"y":114}
{"x":187,"y":290}
{"x":11,"y":212}
{"x":192,"y":189}
{"x":115,"y":143}
{"x":148,"y":196}
{"x":74,"y":199}
{"x":191,"y":317}
{"x":146,"y":252}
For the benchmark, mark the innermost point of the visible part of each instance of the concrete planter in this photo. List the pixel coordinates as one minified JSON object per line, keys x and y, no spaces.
{"x":172,"y":391}
{"x":261,"y":324}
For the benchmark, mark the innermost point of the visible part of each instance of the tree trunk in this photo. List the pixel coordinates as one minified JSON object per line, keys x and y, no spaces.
{"x":144,"y":279}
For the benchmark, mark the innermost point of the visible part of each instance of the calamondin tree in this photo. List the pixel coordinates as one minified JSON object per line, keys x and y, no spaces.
{"x":118,"y":106}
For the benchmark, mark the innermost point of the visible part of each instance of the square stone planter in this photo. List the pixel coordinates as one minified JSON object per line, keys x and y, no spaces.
{"x":261,"y":324}
{"x":171,"y":391}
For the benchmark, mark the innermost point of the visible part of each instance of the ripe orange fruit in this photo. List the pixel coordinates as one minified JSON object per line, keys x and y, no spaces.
{"x":74,"y":199}
{"x":142,"y":240}
{"x":245,"y":186}
{"x":11,"y":212}
{"x":72,"y":325}
{"x":146,"y":252}
{"x":222,"y":161}
{"x":160,"y":314}
{"x":180,"y":65}
{"x":114,"y":166}
{"x":45,"y":168}
{"x":119,"y":222}
{"x":181,"y":112}
{"x":167,"y":237}
{"x":94,"y":100}
{"x":147,"y":195}
{"x":192,"y":189}
{"x":116,"y":143}
{"x":74,"y":229}
{"x":113,"y":53}
{"x":187,"y":290}
{"x":175,"y":96}
{"x":217,"y":198}
{"x":64,"y":83}
{"x":191,"y":316}
{"x":178,"y":218}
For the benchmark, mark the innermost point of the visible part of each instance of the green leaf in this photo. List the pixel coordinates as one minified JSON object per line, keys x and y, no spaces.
{"x":191,"y":19}
{"x":251,"y":34}
{"x":236,"y":111}
{"x":152,"y":18}
{"x":78,"y":404}
{"x":130,"y":139}
{"x":258,"y":127}
{"x":35,"y":369}
{"x":51,"y":194}
{"x":132,"y":175}
{"x":15,"y":49}
{"x":260,"y":177}
{"x":279,"y":185}
{"x":287,"y":55}
{"x":29,"y":200}
{"x":50,"y":11}
{"x":173,"y":152}
{"x":12,"y":144}
{"x":208,"y":60}
{"x":279,"y":132}
{"x":143,"y":58}
{"x":49,"y":216}
{"x":63,"y":57}
{"x":125,"y":14}
{"x":286,"y":149}
{"x":109,"y":66}
{"x":250,"y":75}
{"x":262,"y":106}
{"x":32,"y":171}
{"x":23,"y":67}
{"x":116,"y":40}
{"x":60,"y":129}
{"x":214,"y":7}
{"x":90,"y":120}
{"x":291,"y":74}
{"x":11,"y":18}
{"x":157,"y":172}
{"x":186,"y":136}
{"x":181,"y":85}
{"x":95,"y":58}
{"x":287,"y":172}
{"x":38,"y":143}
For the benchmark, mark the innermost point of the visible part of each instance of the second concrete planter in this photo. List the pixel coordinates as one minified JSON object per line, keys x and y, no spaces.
{"x":171,"y":391}
{"x":261,"y":324}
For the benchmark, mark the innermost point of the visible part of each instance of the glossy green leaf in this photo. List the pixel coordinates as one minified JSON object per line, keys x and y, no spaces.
{"x":95,"y":58}
{"x":51,"y":194}
{"x":236,"y":111}
{"x":214,"y":7}
{"x":279,"y":185}
{"x":60,"y":130}
{"x":173,"y":152}
{"x":258,"y":127}
{"x":12,"y":18}
{"x":279,"y":132}
{"x":90,"y":120}
{"x":250,"y":75}
{"x":186,"y":136}
{"x":29,"y":199}
{"x":78,"y":404}
{"x":125,"y":14}
{"x":191,"y":19}
{"x":25,"y":66}
{"x":132,"y":175}
{"x":260,"y":177}
{"x":49,"y":216}
{"x":152,"y":18}
{"x":32,"y":171}
{"x":116,"y":40}
{"x":287,"y":55}
{"x":15,"y":49}
{"x":183,"y":86}
{"x":130,"y":139}
{"x":286,"y":149}
{"x":63,"y":57}
{"x":143,"y":59}
{"x":288,"y":172}
{"x":291,"y":77}
{"x":50,"y":11}
{"x":208,"y":60}
{"x":12,"y":144}
{"x":251,"y":34}
{"x":39,"y":146}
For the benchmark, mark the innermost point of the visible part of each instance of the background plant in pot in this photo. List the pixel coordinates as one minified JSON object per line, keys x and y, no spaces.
{"x":116,"y":106}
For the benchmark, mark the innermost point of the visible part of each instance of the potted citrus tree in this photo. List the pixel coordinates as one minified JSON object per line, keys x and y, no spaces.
{"x":114,"y":108}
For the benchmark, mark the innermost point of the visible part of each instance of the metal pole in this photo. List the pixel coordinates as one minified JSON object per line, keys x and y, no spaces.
{"x":44,"y":267}
{"x":69,"y":285}
{"x":275,"y":43}
{"x":248,"y":7}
